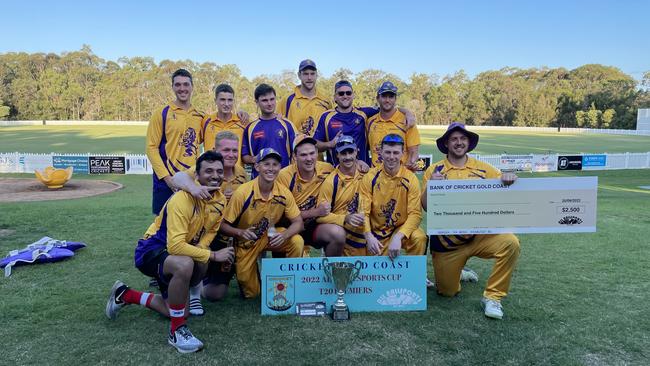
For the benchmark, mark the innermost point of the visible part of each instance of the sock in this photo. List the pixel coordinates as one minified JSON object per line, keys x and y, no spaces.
{"x":131,"y":296}
{"x":177,"y":315}
{"x":195,"y":292}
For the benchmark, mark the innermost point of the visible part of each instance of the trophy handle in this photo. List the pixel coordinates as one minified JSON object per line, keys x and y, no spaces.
{"x":355,"y":271}
{"x":327,"y":269}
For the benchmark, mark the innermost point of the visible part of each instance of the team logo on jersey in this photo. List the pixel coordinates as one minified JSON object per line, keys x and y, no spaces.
{"x":187,"y":141}
{"x":298,"y":104}
{"x":258,"y":135}
{"x":353,"y":205}
{"x":307,"y":126}
{"x":389,"y":214}
{"x":195,"y":240}
{"x":281,"y":134}
{"x":358,"y":121}
{"x":280,"y":292}
{"x":336,"y":124}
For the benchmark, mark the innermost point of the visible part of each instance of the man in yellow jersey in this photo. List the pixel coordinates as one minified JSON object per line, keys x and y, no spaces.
{"x":450,"y":253}
{"x":250,"y":218}
{"x":305,"y":105}
{"x":224,"y":119}
{"x":304,"y":178}
{"x":390,"y":196}
{"x":175,"y":251}
{"x":341,"y":190}
{"x":215,"y":285}
{"x":390,"y":120}
{"x":173,"y":138}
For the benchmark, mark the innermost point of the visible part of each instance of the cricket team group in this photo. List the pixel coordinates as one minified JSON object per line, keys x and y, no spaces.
{"x":332,"y":179}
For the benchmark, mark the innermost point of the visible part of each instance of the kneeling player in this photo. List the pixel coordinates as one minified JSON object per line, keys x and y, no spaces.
{"x":175,"y":251}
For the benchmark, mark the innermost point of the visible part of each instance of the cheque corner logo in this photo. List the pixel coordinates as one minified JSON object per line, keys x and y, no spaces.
{"x":570,"y":220}
{"x":399,"y":297}
{"x":280,"y":296}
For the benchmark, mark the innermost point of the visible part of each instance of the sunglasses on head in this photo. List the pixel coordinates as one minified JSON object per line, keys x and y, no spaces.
{"x":342,"y":93}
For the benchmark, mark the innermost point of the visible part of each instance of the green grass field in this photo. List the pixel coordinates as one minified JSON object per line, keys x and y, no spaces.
{"x":575,"y":298}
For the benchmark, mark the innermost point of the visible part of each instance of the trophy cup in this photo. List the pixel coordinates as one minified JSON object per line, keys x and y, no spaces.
{"x":342,"y":274}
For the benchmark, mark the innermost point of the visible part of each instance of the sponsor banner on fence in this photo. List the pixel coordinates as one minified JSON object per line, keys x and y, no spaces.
{"x":594,"y":162}
{"x":78,"y":163}
{"x":544,"y":163}
{"x":569,"y":162}
{"x":382,"y":285}
{"x":106,"y":165}
{"x":138,"y":165}
{"x":30,"y":163}
{"x":519,"y":163}
{"x":8,"y":162}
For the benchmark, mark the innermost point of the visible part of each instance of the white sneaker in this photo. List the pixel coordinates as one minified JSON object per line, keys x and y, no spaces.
{"x":492,"y":308}
{"x":184,"y":341}
{"x":430,"y":284}
{"x":468,"y":275}
{"x":115,"y":303}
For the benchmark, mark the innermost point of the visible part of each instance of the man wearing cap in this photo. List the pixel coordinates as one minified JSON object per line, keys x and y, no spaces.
{"x":341,"y":190}
{"x":450,"y":253}
{"x":268,"y":131}
{"x":345,"y":119}
{"x":250,"y":218}
{"x":391,"y":121}
{"x":305,"y":104}
{"x":390,"y":196}
{"x":304,"y":178}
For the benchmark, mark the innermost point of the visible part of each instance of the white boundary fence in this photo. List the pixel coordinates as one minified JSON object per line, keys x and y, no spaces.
{"x":139,"y":164}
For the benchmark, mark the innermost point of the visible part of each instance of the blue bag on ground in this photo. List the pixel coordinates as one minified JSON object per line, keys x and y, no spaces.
{"x":44,"y":250}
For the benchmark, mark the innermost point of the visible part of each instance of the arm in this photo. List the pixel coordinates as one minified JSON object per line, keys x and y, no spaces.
{"x":414,"y":214}
{"x":323,"y":209}
{"x":293,"y":229}
{"x":243,"y":234}
{"x":414,"y":154}
{"x":154,"y":137}
{"x":183,"y":180}
{"x":410,"y":117}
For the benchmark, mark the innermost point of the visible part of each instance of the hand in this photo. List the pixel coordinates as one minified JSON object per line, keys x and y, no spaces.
{"x":395,"y":246}
{"x":362,"y":167}
{"x":243,"y":116}
{"x":508,"y":178}
{"x":355,"y":219}
{"x":437,"y":176}
{"x":170,"y":183}
{"x":410,"y":119}
{"x":412,"y":163}
{"x":277,"y":240}
{"x":374,"y":246}
{"x":332,"y":142}
{"x":247,"y":234}
{"x":323,"y":209}
{"x":223,"y":255}
{"x":228,"y":193}
{"x":202,"y":192}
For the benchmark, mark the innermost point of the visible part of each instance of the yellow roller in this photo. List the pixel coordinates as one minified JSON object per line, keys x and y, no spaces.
{"x":54,"y":178}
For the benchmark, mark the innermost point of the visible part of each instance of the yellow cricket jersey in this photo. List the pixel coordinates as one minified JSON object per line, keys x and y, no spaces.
{"x":303,"y":111}
{"x":377,"y":128}
{"x":247,"y":208}
{"x":173,"y":139}
{"x":238,"y":178}
{"x":391,"y":202}
{"x":473,"y":169}
{"x":342,"y":192}
{"x":304,"y":192}
{"x":186,"y":226}
{"x":212,"y":125}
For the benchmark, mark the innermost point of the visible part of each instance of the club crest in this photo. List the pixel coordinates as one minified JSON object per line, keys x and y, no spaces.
{"x":281,"y":292}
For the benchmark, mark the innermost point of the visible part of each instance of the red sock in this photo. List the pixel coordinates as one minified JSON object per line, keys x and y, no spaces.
{"x":136,"y":297}
{"x":177,"y":315}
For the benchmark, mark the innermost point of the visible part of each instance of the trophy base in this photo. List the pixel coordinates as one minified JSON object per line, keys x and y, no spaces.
{"x":340,"y":314}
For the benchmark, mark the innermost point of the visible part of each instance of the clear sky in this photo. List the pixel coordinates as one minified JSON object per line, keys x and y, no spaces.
{"x":401,"y":37}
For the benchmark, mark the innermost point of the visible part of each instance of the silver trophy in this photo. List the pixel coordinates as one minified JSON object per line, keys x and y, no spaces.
{"x":342,"y":274}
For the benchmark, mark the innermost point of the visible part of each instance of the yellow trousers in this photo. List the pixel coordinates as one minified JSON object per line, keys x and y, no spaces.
{"x":416,"y":244}
{"x":504,"y":248}
{"x":246,"y":261}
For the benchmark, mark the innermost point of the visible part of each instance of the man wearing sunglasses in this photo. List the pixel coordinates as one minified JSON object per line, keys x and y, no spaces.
{"x":348,"y":120}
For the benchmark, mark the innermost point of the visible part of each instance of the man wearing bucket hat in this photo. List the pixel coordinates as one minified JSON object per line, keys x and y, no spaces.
{"x":390,"y":195}
{"x":391,"y":120}
{"x":450,"y":253}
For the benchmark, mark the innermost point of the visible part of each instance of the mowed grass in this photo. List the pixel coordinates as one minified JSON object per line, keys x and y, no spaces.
{"x":575,"y":298}
{"x":130,"y":139}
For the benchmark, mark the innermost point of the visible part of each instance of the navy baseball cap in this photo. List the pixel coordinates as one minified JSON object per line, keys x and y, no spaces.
{"x":268,"y":152}
{"x":305,"y":64}
{"x":392,"y":139}
{"x":345,"y":142}
{"x":341,"y":83}
{"x":457,"y":126}
{"x":387,"y":87}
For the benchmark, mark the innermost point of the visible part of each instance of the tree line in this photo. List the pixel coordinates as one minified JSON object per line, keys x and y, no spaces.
{"x":80,"y":85}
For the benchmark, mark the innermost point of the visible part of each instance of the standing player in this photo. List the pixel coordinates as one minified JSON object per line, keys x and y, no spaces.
{"x":224,"y":119}
{"x":305,"y":105}
{"x":175,"y":251}
{"x":391,"y":121}
{"x":390,"y":197}
{"x":304,"y":179}
{"x":268,"y":131}
{"x":215,"y":284}
{"x":173,"y":138}
{"x":250,"y":218}
{"x":341,"y":190}
{"x":451,"y":252}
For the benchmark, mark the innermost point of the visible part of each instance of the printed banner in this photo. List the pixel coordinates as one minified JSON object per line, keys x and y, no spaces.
{"x":594,"y":162}
{"x":519,"y":163}
{"x":106,"y":165}
{"x":544,"y":163}
{"x":569,"y":162}
{"x":8,"y":162}
{"x":382,"y":285}
{"x":28,"y":163}
{"x":78,"y":163}
{"x":138,"y":165}
{"x":530,"y":205}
